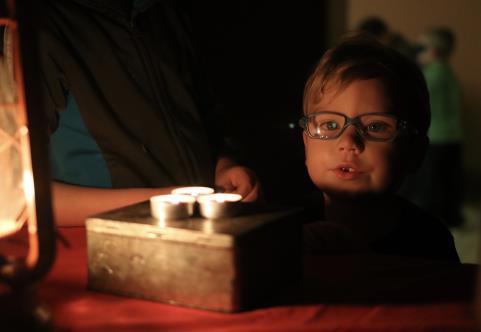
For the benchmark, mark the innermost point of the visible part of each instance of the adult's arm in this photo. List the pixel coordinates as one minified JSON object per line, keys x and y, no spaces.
{"x":73,"y":204}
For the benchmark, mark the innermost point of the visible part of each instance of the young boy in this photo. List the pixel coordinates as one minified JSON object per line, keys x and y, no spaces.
{"x":366,"y":115}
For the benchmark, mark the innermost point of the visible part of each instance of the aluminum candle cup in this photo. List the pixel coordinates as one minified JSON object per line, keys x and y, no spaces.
{"x":193,"y":191}
{"x":219,"y":205}
{"x":172,"y":206}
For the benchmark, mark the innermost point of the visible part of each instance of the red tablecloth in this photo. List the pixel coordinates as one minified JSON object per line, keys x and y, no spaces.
{"x":345,"y":293}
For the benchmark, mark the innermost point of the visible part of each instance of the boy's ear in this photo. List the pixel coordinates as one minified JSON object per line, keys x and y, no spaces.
{"x":415,"y":151}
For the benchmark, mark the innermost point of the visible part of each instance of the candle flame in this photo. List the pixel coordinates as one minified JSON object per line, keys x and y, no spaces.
{"x":9,"y":226}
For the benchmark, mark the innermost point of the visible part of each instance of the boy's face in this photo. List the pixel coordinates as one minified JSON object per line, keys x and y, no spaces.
{"x":350,"y":165}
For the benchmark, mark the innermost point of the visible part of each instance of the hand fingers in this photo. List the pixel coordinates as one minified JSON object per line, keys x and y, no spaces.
{"x":248,"y":193}
{"x":253,"y":195}
{"x":241,"y":181}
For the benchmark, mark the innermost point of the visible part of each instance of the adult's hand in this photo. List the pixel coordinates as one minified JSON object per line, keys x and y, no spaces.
{"x":234,"y":178}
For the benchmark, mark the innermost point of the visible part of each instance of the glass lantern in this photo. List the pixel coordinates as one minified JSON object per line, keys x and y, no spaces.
{"x":17,"y":205}
{"x":24,"y":190}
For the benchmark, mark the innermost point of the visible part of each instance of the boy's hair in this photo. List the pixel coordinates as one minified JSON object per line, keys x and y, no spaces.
{"x":361,"y":57}
{"x":442,"y":40}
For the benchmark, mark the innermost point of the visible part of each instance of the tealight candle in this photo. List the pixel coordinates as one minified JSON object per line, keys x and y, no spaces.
{"x":218,"y":205}
{"x":172,"y":206}
{"x":193,"y":191}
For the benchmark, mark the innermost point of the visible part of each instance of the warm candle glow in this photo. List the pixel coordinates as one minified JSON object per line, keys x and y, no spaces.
{"x":208,"y":226}
{"x":172,"y":206}
{"x":193,"y":191}
{"x":14,"y":200}
{"x":28,"y":186}
{"x":220,"y":198}
{"x":9,"y":226}
{"x":219,"y":205}
{"x":17,"y":194}
{"x":172,"y":199}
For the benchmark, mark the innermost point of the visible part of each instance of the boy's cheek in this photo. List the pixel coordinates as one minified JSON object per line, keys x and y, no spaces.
{"x":313,"y":161}
{"x":317,"y":156}
{"x":314,"y":146}
{"x":315,"y":169}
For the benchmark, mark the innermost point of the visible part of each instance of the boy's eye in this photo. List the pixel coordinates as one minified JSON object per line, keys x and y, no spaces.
{"x":329,"y":125}
{"x":377,"y":127}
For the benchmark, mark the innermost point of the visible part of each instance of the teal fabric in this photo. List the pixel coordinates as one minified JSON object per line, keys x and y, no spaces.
{"x":444,"y":96}
{"x":75,"y":157}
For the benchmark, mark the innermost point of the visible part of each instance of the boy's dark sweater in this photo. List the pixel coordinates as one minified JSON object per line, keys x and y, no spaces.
{"x":418,"y":234}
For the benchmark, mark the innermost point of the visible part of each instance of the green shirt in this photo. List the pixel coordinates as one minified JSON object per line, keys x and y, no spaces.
{"x":445,"y":103}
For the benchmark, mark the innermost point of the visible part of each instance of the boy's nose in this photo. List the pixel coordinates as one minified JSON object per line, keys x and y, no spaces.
{"x":351,"y":140}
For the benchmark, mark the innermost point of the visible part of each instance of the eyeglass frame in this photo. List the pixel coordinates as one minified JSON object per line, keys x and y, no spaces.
{"x":401,"y":125}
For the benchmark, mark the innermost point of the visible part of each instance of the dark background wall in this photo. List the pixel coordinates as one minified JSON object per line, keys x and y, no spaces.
{"x":258,"y":55}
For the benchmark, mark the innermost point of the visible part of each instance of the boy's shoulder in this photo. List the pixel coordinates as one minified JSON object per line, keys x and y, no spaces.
{"x":411,"y":213}
{"x":418,"y":234}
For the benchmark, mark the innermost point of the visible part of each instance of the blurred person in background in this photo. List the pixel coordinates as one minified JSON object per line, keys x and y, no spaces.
{"x":379,"y":29}
{"x":438,"y":185}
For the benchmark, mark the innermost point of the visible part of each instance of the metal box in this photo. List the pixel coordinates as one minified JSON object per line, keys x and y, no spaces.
{"x":226,"y":265}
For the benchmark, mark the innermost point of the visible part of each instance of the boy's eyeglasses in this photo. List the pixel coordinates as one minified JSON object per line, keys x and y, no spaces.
{"x":380,"y":127}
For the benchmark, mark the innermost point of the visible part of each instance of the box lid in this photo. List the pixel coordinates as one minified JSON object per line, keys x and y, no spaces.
{"x":136,"y":220}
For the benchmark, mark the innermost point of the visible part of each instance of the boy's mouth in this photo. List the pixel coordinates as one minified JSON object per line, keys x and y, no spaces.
{"x":347,"y":172}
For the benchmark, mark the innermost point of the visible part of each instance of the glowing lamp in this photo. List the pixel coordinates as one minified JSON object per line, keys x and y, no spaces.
{"x":25,"y":211}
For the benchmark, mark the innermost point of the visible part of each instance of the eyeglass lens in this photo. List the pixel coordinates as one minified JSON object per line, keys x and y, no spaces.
{"x":331,"y":125}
